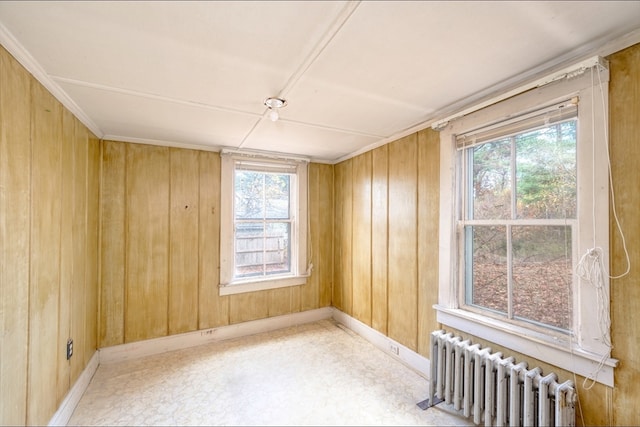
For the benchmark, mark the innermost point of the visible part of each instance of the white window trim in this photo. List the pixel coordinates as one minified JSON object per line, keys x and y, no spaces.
{"x":583,"y":353}
{"x":300,"y":271}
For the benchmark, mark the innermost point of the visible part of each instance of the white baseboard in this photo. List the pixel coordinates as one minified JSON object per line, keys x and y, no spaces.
{"x":68,"y":405}
{"x":407,"y":356}
{"x":134,"y":350}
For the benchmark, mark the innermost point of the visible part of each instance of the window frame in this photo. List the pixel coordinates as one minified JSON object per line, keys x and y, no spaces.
{"x":547,"y":116}
{"x":299,"y":270}
{"x":582,"y":351}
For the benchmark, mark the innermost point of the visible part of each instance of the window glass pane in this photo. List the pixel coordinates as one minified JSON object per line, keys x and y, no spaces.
{"x":278,"y":248}
{"x":490,"y":196}
{"x":487,"y":276}
{"x":262,"y":248}
{"x":546,"y":172}
{"x":249,"y":244}
{"x":277,"y":195}
{"x":542,"y":274}
{"x":249,"y":195}
{"x":260,"y":195}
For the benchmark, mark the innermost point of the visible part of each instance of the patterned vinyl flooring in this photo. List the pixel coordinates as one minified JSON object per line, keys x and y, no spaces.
{"x":316,"y":374}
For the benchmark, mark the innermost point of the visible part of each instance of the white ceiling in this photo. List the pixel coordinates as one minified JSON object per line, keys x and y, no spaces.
{"x":355,"y":74}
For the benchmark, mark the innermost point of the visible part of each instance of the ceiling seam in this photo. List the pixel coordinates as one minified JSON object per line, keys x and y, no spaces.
{"x":326,"y":39}
{"x":336,"y":129}
{"x":148,"y":95}
{"x":335,"y":28}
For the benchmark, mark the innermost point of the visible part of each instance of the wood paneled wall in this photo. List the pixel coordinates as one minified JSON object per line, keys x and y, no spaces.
{"x":49,"y":247}
{"x":624,"y":105}
{"x":160,"y":239}
{"x":386,"y":251}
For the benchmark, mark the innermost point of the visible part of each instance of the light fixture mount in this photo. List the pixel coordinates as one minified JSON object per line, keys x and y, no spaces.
{"x":275,"y":102}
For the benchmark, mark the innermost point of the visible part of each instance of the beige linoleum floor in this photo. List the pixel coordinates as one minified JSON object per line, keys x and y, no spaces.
{"x":313,"y":374}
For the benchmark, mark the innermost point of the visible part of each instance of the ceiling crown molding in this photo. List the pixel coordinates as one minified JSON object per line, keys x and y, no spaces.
{"x":21,"y":54}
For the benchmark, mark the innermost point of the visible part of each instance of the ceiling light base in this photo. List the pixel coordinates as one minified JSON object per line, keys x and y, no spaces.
{"x":274,"y":103}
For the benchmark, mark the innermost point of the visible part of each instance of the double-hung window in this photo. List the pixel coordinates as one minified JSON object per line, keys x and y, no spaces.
{"x":518,"y":219}
{"x":524,"y":214}
{"x":263,"y":231}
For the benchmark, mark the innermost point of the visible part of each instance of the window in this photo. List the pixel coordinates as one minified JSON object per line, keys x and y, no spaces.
{"x":263,"y":235}
{"x":519,"y":187}
{"x":524,"y":196}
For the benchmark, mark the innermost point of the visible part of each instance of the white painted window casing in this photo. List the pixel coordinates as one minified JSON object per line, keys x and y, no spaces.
{"x":299,"y":269}
{"x":582,"y":351}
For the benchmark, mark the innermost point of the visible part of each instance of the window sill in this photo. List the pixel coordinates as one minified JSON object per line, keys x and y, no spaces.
{"x":548,"y":349}
{"x":261,"y":285}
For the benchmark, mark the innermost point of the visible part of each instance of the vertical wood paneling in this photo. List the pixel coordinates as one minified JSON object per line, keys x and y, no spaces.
{"x":362,"y":238}
{"x":428,"y":229}
{"x":212,"y":308}
{"x":183,"y":241}
{"x":43,"y":189}
{"x":323,"y":235}
{"x":296,"y":299}
{"x":310,"y":297}
{"x":193,"y":241}
{"x":112,"y":243}
{"x":79,"y":231}
{"x":314,"y":293}
{"x":249,"y":306}
{"x":92,"y":256}
{"x":338,"y":227}
{"x":15,"y":183}
{"x":379,"y":237}
{"x":624,"y":110}
{"x":66,"y":252}
{"x":343,"y":189}
{"x":147,"y":245}
{"x":403,"y":274}
{"x":281,"y":301}
{"x":45,"y":256}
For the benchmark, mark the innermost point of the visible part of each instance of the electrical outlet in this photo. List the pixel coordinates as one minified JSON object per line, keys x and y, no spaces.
{"x":69,"y":348}
{"x":395,"y":349}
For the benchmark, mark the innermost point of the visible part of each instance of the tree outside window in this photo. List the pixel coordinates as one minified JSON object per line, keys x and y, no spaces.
{"x":521,"y":211}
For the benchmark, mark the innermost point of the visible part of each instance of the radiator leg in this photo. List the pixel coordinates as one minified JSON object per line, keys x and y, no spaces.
{"x":435,"y":343}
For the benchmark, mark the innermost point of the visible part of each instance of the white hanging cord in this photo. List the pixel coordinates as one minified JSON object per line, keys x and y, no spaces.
{"x":309,"y":237}
{"x":591,"y":269}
